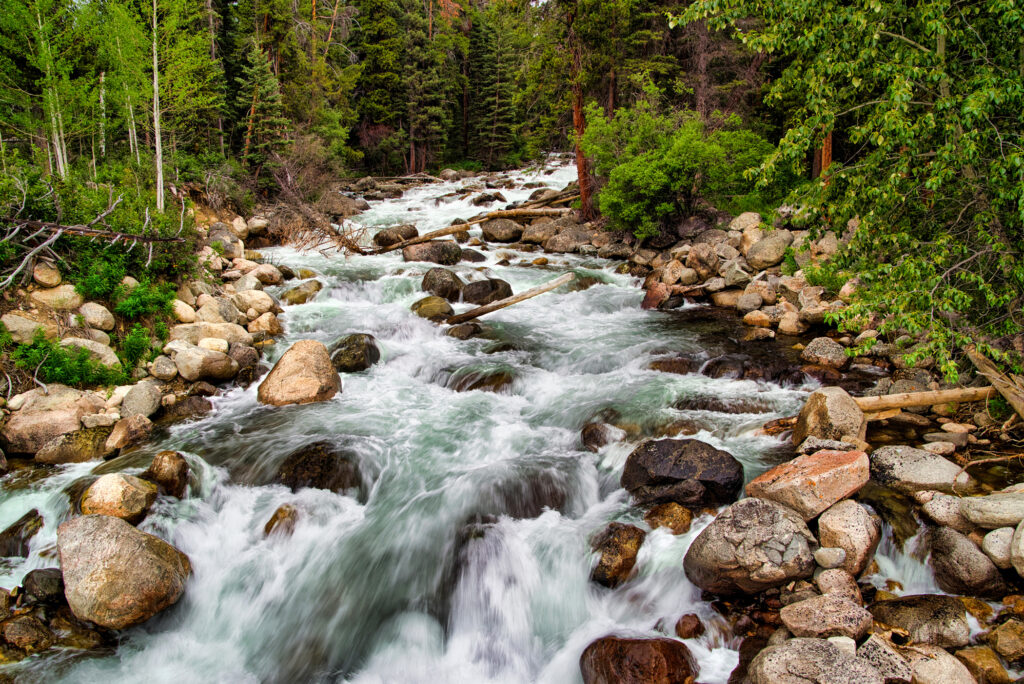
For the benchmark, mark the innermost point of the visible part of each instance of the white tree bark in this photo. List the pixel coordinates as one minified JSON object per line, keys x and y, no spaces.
{"x":103,"y":116}
{"x":156,"y":123}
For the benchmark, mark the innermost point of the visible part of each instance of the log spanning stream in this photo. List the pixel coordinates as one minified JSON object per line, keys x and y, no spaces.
{"x":466,"y":556}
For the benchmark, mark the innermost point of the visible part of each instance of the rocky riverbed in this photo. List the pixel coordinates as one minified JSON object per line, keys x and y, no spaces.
{"x":574,"y":488}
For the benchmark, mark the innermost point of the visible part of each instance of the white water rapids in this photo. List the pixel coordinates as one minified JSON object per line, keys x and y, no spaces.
{"x":467,"y":558}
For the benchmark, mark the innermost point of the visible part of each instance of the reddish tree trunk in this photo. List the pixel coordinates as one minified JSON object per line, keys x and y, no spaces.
{"x":579,"y":123}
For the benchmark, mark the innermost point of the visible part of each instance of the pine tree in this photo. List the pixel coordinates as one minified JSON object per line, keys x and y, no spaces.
{"x":265,"y":125}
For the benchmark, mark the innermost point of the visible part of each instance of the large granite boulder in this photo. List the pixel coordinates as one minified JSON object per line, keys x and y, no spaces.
{"x":320,"y":465}
{"x":803,"y":661}
{"x":44,"y":417}
{"x":687,"y":471}
{"x":830,"y":413}
{"x":115,"y":575}
{"x":303,"y":375}
{"x":809,"y":484}
{"x":445,"y":252}
{"x":121,"y":496}
{"x":751,"y":546}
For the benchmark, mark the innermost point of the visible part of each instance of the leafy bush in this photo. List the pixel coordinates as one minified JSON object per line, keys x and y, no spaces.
{"x":145,"y":299}
{"x":103,"y":279}
{"x":135,"y":346}
{"x":65,"y":365}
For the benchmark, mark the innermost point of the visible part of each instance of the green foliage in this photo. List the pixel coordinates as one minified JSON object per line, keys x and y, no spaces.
{"x":65,"y":365}
{"x":931,"y":108}
{"x":789,"y":265}
{"x":660,"y":168}
{"x":102,"y":279}
{"x":136,"y":346}
{"x":145,"y":299}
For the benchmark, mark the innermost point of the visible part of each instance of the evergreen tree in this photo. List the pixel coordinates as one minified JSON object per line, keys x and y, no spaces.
{"x":265,"y":127}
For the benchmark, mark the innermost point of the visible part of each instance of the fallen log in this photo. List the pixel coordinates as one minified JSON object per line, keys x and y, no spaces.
{"x":509,"y":301}
{"x":459,"y":227}
{"x":1010,"y":386}
{"x":930,"y":398}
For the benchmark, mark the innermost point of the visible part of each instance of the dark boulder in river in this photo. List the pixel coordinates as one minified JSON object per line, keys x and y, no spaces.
{"x":319,"y":465}
{"x":687,"y":471}
{"x":618,"y":545}
{"x":618,"y":660}
{"x":443,"y":283}
{"x":354,"y":353}
{"x":446,"y":252}
{"x":392,"y":236}
{"x":482,"y":292}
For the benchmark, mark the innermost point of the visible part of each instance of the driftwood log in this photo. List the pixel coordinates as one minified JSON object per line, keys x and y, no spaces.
{"x":509,"y":301}
{"x":930,"y":398}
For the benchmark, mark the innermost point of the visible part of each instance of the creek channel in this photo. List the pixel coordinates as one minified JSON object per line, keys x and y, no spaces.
{"x":464,"y":557}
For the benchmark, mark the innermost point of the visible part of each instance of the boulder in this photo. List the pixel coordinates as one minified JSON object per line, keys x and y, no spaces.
{"x":394,"y":235}
{"x":319,"y":465}
{"x":568,"y":241}
{"x":617,"y":547}
{"x":618,"y":660}
{"x":809,"y":484}
{"x":769,"y":250}
{"x":87,"y":444}
{"x":121,"y":496}
{"x":687,"y":471}
{"x":791,"y":324}
{"x":46,"y":275}
{"x":27,"y":633}
{"x":196,"y":363}
{"x":826,"y":616}
{"x":704,"y":260}
{"x":267,"y":323}
{"x":1008,"y":639}
{"x":928,"y":618}
{"x":962,"y":568}
{"x":302,"y":293}
{"x":445,"y":252}
{"x":501,"y":230}
{"x":183,"y":312}
{"x":23,"y":326}
{"x":830,"y":413}
{"x":267,"y":274}
{"x":143,"y":399}
{"x":996,"y":545}
{"x":194,"y":332}
{"x":824,"y":351}
{"x":97,"y":316}
{"x":883,"y":655}
{"x":257,"y":300}
{"x":443,"y":283}
{"x":44,"y":585}
{"x":354,"y":353}
{"x":848,"y":525}
{"x":911,"y":470}
{"x":44,"y":417}
{"x":98,"y":351}
{"x":995,"y":510}
{"x":303,"y":375}
{"x":933,"y":665}
{"x":482,"y":292}
{"x":163,"y":368}
{"x":751,"y":546}
{"x":539,"y":233}
{"x":129,"y":431}
{"x":60,"y":298}
{"x":807,"y":661}
{"x":432,"y":308}
{"x":220,"y":310}
{"x":169,"y":470}
{"x":840,"y":582}
{"x":115,"y":575}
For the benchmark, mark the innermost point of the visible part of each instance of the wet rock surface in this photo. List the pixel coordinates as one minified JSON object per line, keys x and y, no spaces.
{"x":637,"y":661}
{"x":685,"y":471}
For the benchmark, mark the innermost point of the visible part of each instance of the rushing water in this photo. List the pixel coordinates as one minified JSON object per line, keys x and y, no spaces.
{"x":465,"y":557}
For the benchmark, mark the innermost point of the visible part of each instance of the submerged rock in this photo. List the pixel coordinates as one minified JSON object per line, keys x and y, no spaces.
{"x":617,"y":546}
{"x":14,"y":541}
{"x":620,"y":660}
{"x":115,"y":575}
{"x":687,"y":471}
{"x":319,"y":465}
{"x":432,"y":308}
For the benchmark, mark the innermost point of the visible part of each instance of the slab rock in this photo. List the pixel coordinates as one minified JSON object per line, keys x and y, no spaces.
{"x":198,"y":363}
{"x":617,"y":546}
{"x":115,"y":575}
{"x":44,"y":417}
{"x":830,"y":413}
{"x":87,"y":444}
{"x":23,"y":326}
{"x":826,"y":616}
{"x":910,"y":470}
{"x":849,"y":526}
{"x":97,"y":350}
{"x":685,"y":471}
{"x":751,"y":546}
{"x":810,"y":484}
{"x":995,"y":510}
{"x":303,"y":375}
{"x":619,"y":660}
{"x":121,"y":496}
{"x":61,"y":298}
{"x":929,"y":618}
{"x":806,"y":661}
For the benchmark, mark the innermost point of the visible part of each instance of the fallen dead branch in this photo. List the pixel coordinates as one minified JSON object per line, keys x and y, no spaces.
{"x":509,"y":301}
{"x":1011,"y":387}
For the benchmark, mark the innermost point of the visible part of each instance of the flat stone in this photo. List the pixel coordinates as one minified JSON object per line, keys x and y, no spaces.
{"x":87,"y":444}
{"x":810,"y":484}
{"x":995,"y":510}
{"x":940,"y":448}
{"x":22,"y":326}
{"x":910,"y":470}
{"x":805,"y":661}
{"x":61,"y":298}
{"x":929,"y":618}
{"x":825,"y":616}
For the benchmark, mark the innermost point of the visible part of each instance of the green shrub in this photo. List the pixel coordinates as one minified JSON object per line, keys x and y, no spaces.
{"x":789,"y":265}
{"x":102,"y":279}
{"x":135,"y":346}
{"x":145,"y":299}
{"x":65,"y":365}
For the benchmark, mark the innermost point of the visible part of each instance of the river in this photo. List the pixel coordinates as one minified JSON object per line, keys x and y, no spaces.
{"x":465,"y":555}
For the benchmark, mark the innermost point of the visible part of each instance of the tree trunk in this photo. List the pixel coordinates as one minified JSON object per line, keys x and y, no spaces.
{"x":103,"y":116}
{"x":579,"y":121}
{"x":702,"y":87}
{"x":156,"y":123}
